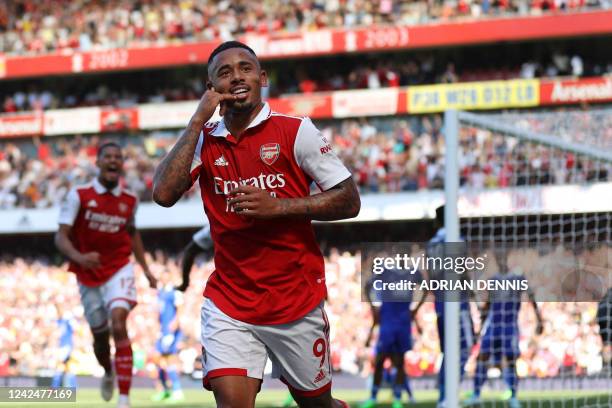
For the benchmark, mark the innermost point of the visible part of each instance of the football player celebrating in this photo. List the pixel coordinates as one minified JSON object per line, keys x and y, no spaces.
{"x":265,"y":297}
{"x":98,"y":235}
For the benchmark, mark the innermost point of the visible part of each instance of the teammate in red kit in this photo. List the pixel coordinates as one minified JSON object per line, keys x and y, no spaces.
{"x":97,"y":234}
{"x":265,"y":297}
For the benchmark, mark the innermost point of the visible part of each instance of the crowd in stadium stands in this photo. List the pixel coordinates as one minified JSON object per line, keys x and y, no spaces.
{"x":385,"y":156}
{"x":35,"y":293}
{"x":308,"y":78}
{"x":40,"y":26}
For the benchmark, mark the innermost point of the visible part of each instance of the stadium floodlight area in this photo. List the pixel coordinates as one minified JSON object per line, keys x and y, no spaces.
{"x":539,"y":199}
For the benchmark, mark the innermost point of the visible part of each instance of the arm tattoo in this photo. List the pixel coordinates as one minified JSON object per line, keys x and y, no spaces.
{"x":172,"y":176}
{"x":340,"y":202}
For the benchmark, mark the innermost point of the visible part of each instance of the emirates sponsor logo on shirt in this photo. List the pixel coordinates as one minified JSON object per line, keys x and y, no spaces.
{"x":104,"y":222}
{"x":269,"y":153}
{"x":263,"y":181}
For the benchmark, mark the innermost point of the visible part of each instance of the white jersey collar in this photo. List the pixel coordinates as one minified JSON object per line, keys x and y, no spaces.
{"x":100,"y":189}
{"x":264,"y":114}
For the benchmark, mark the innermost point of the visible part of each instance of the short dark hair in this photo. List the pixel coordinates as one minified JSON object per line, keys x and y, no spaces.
{"x":106,"y":144}
{"x":228,"y":45}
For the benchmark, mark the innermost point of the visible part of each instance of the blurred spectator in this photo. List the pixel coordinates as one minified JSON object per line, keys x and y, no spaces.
{"x":32,"y":288}
{"x":42,"y":26}
{"x":127,"y":90}
{"x":384,"y":155}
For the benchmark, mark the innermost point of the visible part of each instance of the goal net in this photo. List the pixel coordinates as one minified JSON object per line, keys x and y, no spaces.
{"x":534,"y":196}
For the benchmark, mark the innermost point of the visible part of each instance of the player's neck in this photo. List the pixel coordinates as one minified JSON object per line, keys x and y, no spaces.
{"x":237,"y":122}
{"x":107,"y":185}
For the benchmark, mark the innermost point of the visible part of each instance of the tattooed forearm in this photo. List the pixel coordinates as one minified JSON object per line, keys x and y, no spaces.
{"x":337,"y":203}
{"x":172,"y":177}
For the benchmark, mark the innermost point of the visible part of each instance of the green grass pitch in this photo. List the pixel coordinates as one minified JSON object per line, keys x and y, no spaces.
{"x":90,"y":398}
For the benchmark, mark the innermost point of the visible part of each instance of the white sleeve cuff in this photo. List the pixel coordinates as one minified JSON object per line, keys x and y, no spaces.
{"x":316,"y":157}
{"x":69,"y":208}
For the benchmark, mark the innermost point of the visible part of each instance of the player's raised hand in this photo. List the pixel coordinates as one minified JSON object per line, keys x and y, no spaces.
{"x":254,"y":202}
{"x":211,"y":99}
{"x":89,"y":260}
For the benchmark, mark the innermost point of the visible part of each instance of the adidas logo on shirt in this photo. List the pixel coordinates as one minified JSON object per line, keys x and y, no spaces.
{"x":92,"y":203}
{"x":221,"y":161}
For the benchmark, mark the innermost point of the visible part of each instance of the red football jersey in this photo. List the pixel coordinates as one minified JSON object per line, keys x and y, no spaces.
{"x":100,"y":220}
{"x":267,"y":271}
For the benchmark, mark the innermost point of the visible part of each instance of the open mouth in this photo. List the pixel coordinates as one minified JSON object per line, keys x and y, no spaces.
{"x":113,"y":170}
{"x":239,"y":90}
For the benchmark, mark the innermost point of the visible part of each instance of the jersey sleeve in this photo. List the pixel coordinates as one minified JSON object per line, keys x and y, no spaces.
{"x":196,"y":162}
{"x":69,"y":208}
{"x":132,"y":220}
{"x":316,"y":157}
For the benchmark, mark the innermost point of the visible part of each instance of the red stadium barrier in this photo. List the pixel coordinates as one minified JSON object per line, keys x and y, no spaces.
{"x":320,"y":42}
{"x":314,"y":105}
{"x":488,"y":95}
{"x":114,"y":119}
{"x":24,"y":124}
{"x":565,"y":91}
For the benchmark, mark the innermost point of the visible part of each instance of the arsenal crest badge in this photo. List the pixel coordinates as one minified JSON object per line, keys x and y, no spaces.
{"x":269,"y":153}
{"x":123,"y":207}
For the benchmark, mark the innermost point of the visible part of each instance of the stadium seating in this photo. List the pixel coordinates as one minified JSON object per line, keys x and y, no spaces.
{"x":376,"y":77}
{"x":35,"y":27}
{"x":385,"y":156}
{"x":31,"y":288}
{"x":130,"y":90}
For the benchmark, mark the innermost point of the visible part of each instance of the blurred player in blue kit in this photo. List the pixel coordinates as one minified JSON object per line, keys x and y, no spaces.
{"x":170,"y":300}
{"x":393,"y":316}
{"x":167,"y":345}
{"x":500,"y":330}
{"x":66,"y":324}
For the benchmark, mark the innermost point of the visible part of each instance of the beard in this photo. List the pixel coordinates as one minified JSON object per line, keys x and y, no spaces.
{"x":109,"y":182}
{"x":241,"y":107}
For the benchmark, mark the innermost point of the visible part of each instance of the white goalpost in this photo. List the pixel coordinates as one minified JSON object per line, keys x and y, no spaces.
{"x":540,"y":185}
{"x":451,"y":225}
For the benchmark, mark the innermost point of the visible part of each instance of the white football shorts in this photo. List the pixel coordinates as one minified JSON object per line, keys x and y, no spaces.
{"x":299,"y":350}
{"x":118,"y":291}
